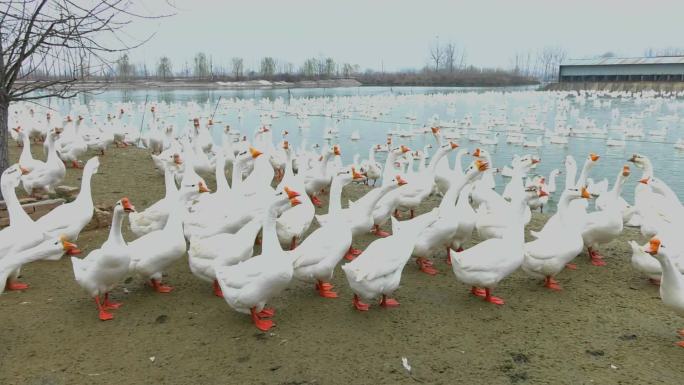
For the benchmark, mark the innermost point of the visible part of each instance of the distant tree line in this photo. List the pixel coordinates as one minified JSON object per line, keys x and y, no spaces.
{"x":203,"y":68}
{"x":446,"y":65}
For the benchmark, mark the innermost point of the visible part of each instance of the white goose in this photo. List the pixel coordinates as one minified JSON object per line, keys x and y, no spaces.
{"x":293,"y":223}
{"x":44,"y":251}
{"x":48,"y":175}
{"x":421,"y":185}
{"x":671,"y":282}
{"x":466,"y":222}
{"x":315,"y":259}
{"x":603,"y":226}
{"x":206,"y":254}
{"x":154,"y":252}
{"x":69,"y":219}
{"x":360,"y":214}
{"x":440,"y":234}
{"x":71,"y":145}
{"x":247,"y":286}
{"x":102,"y":269}
{"x":154,"y":217}
{"x":644,"y":263}
{"x":317,"y":178}
{"x":372,"y":167}
{"x":26,"y":159}
{"x":490,"y":261}
{"x":548,"y":255}
{"x":377,"y":271}
{"x":578,"y":207}
{"x":22,"y":232}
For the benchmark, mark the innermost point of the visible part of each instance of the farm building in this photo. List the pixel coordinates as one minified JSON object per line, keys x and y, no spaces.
{"x":664,"y":68}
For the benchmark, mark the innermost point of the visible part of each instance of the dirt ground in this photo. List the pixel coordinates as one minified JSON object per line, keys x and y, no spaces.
{"x":608,"y":325}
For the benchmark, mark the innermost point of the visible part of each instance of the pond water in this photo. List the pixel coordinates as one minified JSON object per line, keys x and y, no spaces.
{"x":648,"y":124}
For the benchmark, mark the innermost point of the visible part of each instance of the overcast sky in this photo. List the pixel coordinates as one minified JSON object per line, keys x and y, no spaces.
{"x":397,"y":33}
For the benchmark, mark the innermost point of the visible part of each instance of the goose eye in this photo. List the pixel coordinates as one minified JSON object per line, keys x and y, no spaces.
{"x":56,"y":243}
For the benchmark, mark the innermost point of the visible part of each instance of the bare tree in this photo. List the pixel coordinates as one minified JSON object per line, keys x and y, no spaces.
{"x":51,"y":45}
{"x":201,"y":69}
{"x":450,"y":56}
{"x":436,"y":55}
{"x":268,"y":67}
{"x":330,"y":67}
{"x":238,"y":67}
{"x":309,"y":68}
{"x":347,"y":70}
{"x":164,"y":68}
{"x":124,"y":69}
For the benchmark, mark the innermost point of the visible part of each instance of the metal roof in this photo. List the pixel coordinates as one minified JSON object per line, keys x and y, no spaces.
{"x":624,"y":61}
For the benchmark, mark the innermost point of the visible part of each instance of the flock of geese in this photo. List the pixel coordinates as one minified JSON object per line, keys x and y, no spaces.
{"x":271,"y":199}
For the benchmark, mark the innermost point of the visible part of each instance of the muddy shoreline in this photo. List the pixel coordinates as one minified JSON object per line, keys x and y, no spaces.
{"x":607,"y":326}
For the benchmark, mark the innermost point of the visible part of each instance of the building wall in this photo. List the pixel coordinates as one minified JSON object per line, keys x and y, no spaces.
{"x":622,"y":70}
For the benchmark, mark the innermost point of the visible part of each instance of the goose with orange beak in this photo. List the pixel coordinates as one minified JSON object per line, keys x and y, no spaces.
{"x":377,"y":271}
{"x":577,"y":207}
{"x":423,"y":183}
{"x":249,"y":285}
{"x":360,"y":215}
{"x":317,"y":177}
{"x":102,"y":269}
{"x":601,"y":227}
{"x":26,"y":160}
{"x":671,"y":281}
{"x":440,"y":234}
{"x":293,"y":223}
{"x":487,"y":263}
{"x":48,"y":175}
{"x":548,"y":255}
{"x":315,"y":259}
{"x":48,"y":249}
{"x":154,"y":217}
{"x":154,"y":252}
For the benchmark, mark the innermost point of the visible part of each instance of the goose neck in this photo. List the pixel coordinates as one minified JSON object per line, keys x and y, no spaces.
{"x":115,"y":231}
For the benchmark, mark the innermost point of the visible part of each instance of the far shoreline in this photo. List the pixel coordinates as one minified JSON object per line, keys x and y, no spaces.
{"x":264,"y":85}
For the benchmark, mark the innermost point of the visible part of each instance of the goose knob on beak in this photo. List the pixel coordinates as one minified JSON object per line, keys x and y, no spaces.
{"x":69,"y":248}
{"x":127,"y":206}
{"x":290,"y":193}
{"x":653,"y":246}
{"x":255,"y":153}
{"x":585,"y":193}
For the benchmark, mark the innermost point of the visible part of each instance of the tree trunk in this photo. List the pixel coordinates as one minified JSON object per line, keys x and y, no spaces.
{"x":4,"y":123}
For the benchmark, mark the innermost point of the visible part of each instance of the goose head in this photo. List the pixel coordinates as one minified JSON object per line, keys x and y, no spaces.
{"x":125,"y":205}
{"x":343,"y":177}
{"x":639,"y":160}
{"x":357,"y":176}
{"x":65,"y":246}
{"x":285,"y":199}
{"x":577,"y":193}
{"x":476,"y":168}
{"x":654,"y":247}
{"x":55,"y":247}
{"x":11,"y":177}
